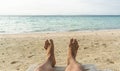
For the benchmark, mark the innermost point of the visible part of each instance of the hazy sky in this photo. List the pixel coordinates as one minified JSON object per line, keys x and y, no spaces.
{"x":59,"y":7}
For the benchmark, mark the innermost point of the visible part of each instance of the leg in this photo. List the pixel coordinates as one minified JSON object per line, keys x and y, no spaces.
{"x":72,"y":64}
{"x":50,"y":62}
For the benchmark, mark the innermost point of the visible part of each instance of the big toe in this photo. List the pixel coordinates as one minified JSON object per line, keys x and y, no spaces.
{"x":46,"y":44}
{"x":51,"y":41}
{"x":76,"y":43}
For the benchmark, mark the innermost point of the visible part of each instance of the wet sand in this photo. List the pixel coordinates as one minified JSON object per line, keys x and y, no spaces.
{"x":101,"y":48}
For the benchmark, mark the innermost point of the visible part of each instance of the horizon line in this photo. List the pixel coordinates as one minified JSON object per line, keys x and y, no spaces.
{"x":64,"y":15}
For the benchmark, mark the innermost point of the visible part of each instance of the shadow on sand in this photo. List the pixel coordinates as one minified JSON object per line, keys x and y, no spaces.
{"x":87,"y":67}
{"x":59,"y":68}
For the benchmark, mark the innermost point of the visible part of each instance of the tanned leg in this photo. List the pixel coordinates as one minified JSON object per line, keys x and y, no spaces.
{"x":49,"y":46}
{"x":72,"y":64}
{"x":50,"y":62}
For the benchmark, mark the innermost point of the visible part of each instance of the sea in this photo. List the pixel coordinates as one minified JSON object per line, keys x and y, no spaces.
{"x":13,"y":24}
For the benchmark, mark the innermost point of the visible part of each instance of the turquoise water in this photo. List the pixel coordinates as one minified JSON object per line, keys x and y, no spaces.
{"x":28,"y":24}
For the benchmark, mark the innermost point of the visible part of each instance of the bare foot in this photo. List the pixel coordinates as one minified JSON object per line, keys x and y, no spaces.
{"x":72,"y":50}
{"x":72,"y":64}
{"x":49,"y":46}
{"x":74,"y":47}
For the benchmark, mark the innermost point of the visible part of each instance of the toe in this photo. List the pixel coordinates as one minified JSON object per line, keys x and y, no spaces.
{"x":46,"y":44}
{"x":51,"y":41}
{"x":76,"y":43}
{"x":71,"y":41}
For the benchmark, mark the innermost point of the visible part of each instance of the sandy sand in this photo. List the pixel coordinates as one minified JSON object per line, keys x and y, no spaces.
{"x":101,"y":48}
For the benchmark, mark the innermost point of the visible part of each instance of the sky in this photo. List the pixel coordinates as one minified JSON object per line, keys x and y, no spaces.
{"x":59,"y":7}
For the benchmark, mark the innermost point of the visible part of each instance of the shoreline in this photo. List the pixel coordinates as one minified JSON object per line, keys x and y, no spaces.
{"x":54,"y":32}
{"x":58,"y":34}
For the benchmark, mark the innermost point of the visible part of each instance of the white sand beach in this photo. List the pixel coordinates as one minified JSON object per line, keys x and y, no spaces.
{"x":101,"y":48}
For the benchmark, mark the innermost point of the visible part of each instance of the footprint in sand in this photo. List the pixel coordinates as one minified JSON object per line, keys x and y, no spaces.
{"x":2,"y":53}
{"x":105,"y":45}
{"x":3,"y":61}
{"x":30,"y":56}
{"x":110,"y":61}
{"x":85,"y":47}
{"x":17,"y":69}
{"x":14,"y":62}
